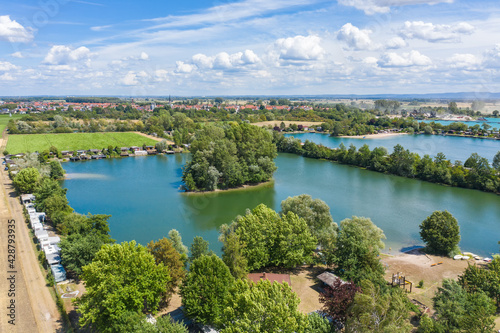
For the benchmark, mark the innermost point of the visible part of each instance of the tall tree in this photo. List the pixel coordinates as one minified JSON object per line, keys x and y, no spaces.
{"x":26,"y":180}
{"x":440,"y":232}
{"x":165,"y":253}
{"x":315,"y":212}
{"x":232,"y":251}
{"x":206,"y":289}
{"x":358,"y":247}
{"x":176,"y":239}
{"x":378,"y":310}
{"x":199,"y":247}
{"x":121,"y":278}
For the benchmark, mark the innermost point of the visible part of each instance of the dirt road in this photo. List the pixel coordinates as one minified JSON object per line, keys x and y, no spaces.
{"x":22,"y":285}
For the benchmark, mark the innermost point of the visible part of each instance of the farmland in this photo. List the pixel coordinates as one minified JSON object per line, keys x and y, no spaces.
{"x":4,"y":119}
{"x":23,"y":143}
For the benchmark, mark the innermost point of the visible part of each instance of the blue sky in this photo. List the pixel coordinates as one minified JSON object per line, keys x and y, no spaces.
{"x":249,"y":47}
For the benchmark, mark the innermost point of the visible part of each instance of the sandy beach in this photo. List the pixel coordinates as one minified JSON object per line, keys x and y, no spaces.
{"x":372,"y":136}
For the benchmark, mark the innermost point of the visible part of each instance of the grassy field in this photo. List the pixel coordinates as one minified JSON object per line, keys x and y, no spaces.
{"x":22,"y":143}
{"x":4,"y":119}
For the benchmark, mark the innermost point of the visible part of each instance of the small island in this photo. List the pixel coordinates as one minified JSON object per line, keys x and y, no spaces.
{"x":229,"y":156}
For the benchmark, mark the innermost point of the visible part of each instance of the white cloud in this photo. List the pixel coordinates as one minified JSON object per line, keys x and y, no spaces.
{"x":396,"y":43}
{"x":413,"y":58}
{"x":6,"y":77}
{"x":144,"y":56}
{"x":300,"y":48}
{"x":12,"y":31}
{"x":182,"y":67}
{"x":64,"y":55}
{"x":492,"y":57}
{"x":99,"y":28}
{"x":436,"y":32}
{"x":17,"y":55}
{"x":371,"y":7}
{"x":223,"y":60}
{"x":464,"y":61}
{"x":130,"y":79}
{"x":370,"y":60}
{"x":355,"y":38}
{"x":6,"y":66}
{"x":161,"y":75}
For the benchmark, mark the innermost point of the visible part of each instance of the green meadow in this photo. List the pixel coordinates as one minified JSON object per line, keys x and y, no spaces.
{"x":4,"y":119}
{"x":22,"y":143}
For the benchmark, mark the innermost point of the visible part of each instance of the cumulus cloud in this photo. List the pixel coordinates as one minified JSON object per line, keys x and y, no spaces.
{"x":356,"y":38}
{"x":464,"y":61}
{"x":6,"y":77}
{"x":371,"y":7}
{"x":130,"y":79}
{"x":6,"y":66}
{"x":413,"y":58}
{"x":12,"y":31}
{"x":144,"y":56}
{"x":492,"y":57}
{"x":182,"y":67}
{"x":300,"y":48}
{"x":17,"y":55}
{"x":223,"y":60}
{"x":161,"y":75}
{"x":396,"y":43}
{"x":61,"y":55}
{"x":436,"y":32}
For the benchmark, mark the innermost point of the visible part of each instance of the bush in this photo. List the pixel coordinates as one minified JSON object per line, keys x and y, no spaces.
{"x":421,"y":284}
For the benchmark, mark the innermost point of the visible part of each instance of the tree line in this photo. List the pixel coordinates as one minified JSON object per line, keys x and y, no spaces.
{"x":475,"y":173}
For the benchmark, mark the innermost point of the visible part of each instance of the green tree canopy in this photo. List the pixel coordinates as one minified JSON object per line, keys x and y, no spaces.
{"x":378,"y":310}
{"x":26,"y":180}
{"x":122,"y":277}
{"x":206,"y":289}
{"x":176,"y":239}
{"x":315,"y":212}
{"x":78,"y":250}
{"x":440,"y":232}
{"x":165,"y":253}
{"x":263,"y":307}
{"x":358,"y":247}
{"x":270,"y":239}
{"x":199,"y":247}
{"x":460,"y":311}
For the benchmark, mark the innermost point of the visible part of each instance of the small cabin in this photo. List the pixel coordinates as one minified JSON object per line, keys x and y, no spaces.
{"x":58,"y":272}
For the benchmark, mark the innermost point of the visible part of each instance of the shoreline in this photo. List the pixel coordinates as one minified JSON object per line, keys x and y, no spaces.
{"x":245,"y":187}
{"x":372,"y":136}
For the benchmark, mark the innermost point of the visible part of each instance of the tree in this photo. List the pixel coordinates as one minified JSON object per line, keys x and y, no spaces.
{"x":440,"y":232}
{"x":271,"y":239}
{"x":165,"y":253}
{"x":122,"y":277}
{"x":460,"y":311}
{"x":377,"y":310}
{"x":232,"y":251}
{"x":164,"y":324}
{"x":176,"y":239}
{"x":200,"y":247}
{"x":486,"y":279}
{"x":315,"y":212}
{"x":358,"y":247}
{"x":337,"y":299}
{"x":428,"y":129}
{"x":318,"y":324}
{"x":263,"y":307}
{"x":79,"y":250}
{"x":56,"y":170}
{"x":161,"y":146}
{"x":26,"y":180}
{"x":496,"y":162}
{"x":206,"y":289}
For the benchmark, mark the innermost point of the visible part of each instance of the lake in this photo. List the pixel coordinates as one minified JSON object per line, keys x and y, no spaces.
{"x":141,"y":194}
{"x":493,"y":122}
{"x":455,"y":148}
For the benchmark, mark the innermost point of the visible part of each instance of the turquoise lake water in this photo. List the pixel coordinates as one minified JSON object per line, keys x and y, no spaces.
{"x":142,"y":195}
